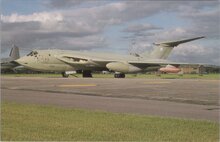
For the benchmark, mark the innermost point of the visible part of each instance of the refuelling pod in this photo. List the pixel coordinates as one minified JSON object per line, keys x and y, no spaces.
{"x":170,"y":69}
{"x":122,"y":67}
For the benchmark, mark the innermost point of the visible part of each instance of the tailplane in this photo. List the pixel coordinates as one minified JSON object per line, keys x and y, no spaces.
{"x":163,"y":49}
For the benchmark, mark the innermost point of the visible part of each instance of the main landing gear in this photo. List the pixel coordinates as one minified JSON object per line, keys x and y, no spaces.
{"x":64,"y":75}
{"x":119,"y":75}
{"x":87,"y":73}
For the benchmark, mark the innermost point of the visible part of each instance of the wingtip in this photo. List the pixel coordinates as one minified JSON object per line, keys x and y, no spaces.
{"x":202,"y":37}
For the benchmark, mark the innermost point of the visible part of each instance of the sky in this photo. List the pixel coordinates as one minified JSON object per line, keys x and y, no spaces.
{"x":118,"y":26}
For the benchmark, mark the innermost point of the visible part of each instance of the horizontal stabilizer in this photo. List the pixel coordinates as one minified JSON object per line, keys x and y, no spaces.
{"x":176,"y":43}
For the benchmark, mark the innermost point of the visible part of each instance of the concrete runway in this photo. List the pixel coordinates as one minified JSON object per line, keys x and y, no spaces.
{"x":181,"y":98}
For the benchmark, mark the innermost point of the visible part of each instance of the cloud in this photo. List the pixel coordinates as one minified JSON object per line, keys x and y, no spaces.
{"x":88,"y":42}
{"x":42,"y":17}
{"x":82,"y":24}
{"x":176,"y":33}
{"x":196,"y":54}
{"x":20,"y":26}
{"x":48,"y":29}
{"x":137,"y":28}
{"x":63,"y":4}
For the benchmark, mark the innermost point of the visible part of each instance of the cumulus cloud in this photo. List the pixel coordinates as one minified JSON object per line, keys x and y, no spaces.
{"x":41,"y":27}
{"x":48,"y":29}
{"x":137,"y":28}
{"x":196,"y":54}
{"x":43,"y":17}
{"x":63,"y":4}
{"x":82,"y":24}
{"x":203,"y":22}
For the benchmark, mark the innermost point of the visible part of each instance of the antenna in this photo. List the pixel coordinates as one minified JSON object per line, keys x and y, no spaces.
{"x":132,"y":46}
{"x":133,"y":49}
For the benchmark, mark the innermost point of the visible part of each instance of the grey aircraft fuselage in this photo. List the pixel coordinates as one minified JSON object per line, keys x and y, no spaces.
{"x":67,"y":60}
{"x":50,"y":60}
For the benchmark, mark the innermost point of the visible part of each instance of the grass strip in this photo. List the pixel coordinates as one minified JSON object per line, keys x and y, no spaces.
{"x":25,"y":122}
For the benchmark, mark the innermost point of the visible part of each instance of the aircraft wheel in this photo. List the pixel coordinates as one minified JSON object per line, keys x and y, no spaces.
{"x":87,"y":73}
{"x":121,"y":75}
{"x":65,"y":75}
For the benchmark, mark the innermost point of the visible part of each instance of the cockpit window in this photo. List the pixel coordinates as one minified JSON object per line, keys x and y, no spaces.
{"x":32,"y":53}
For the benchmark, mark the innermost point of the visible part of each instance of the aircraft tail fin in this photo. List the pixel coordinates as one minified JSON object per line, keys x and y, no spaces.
{"x":14,"y":54}
{"x":163,"y":49}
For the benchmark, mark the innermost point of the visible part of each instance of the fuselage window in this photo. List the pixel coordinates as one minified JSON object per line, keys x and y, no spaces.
{"x":32,"y":53}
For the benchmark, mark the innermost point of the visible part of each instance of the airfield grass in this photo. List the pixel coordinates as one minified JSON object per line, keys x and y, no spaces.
{"x":28,"y":122}
{"x":147,"y":76}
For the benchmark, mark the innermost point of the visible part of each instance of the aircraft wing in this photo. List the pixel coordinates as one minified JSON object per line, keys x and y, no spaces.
{"x":147,"y":63}
{"x":161,"y":63}
{"x":76,"y":59}
{"x":81,"y":60}
{"x":118,"y":65}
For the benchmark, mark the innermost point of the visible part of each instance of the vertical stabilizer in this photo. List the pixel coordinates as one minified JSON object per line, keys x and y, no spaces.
{"x":163,"y":49}
{"x":14,"y":54}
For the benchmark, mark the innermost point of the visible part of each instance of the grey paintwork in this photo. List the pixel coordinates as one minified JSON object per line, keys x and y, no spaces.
{"x":7,"y":63}
{"x":68,"y":60}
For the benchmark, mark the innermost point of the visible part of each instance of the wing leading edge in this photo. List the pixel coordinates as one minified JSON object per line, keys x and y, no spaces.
{"x":120,"y":66}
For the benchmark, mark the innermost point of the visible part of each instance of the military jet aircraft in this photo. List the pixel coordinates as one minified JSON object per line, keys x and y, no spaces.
{"x":7,"y":64}
{"x":65,"y":61}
